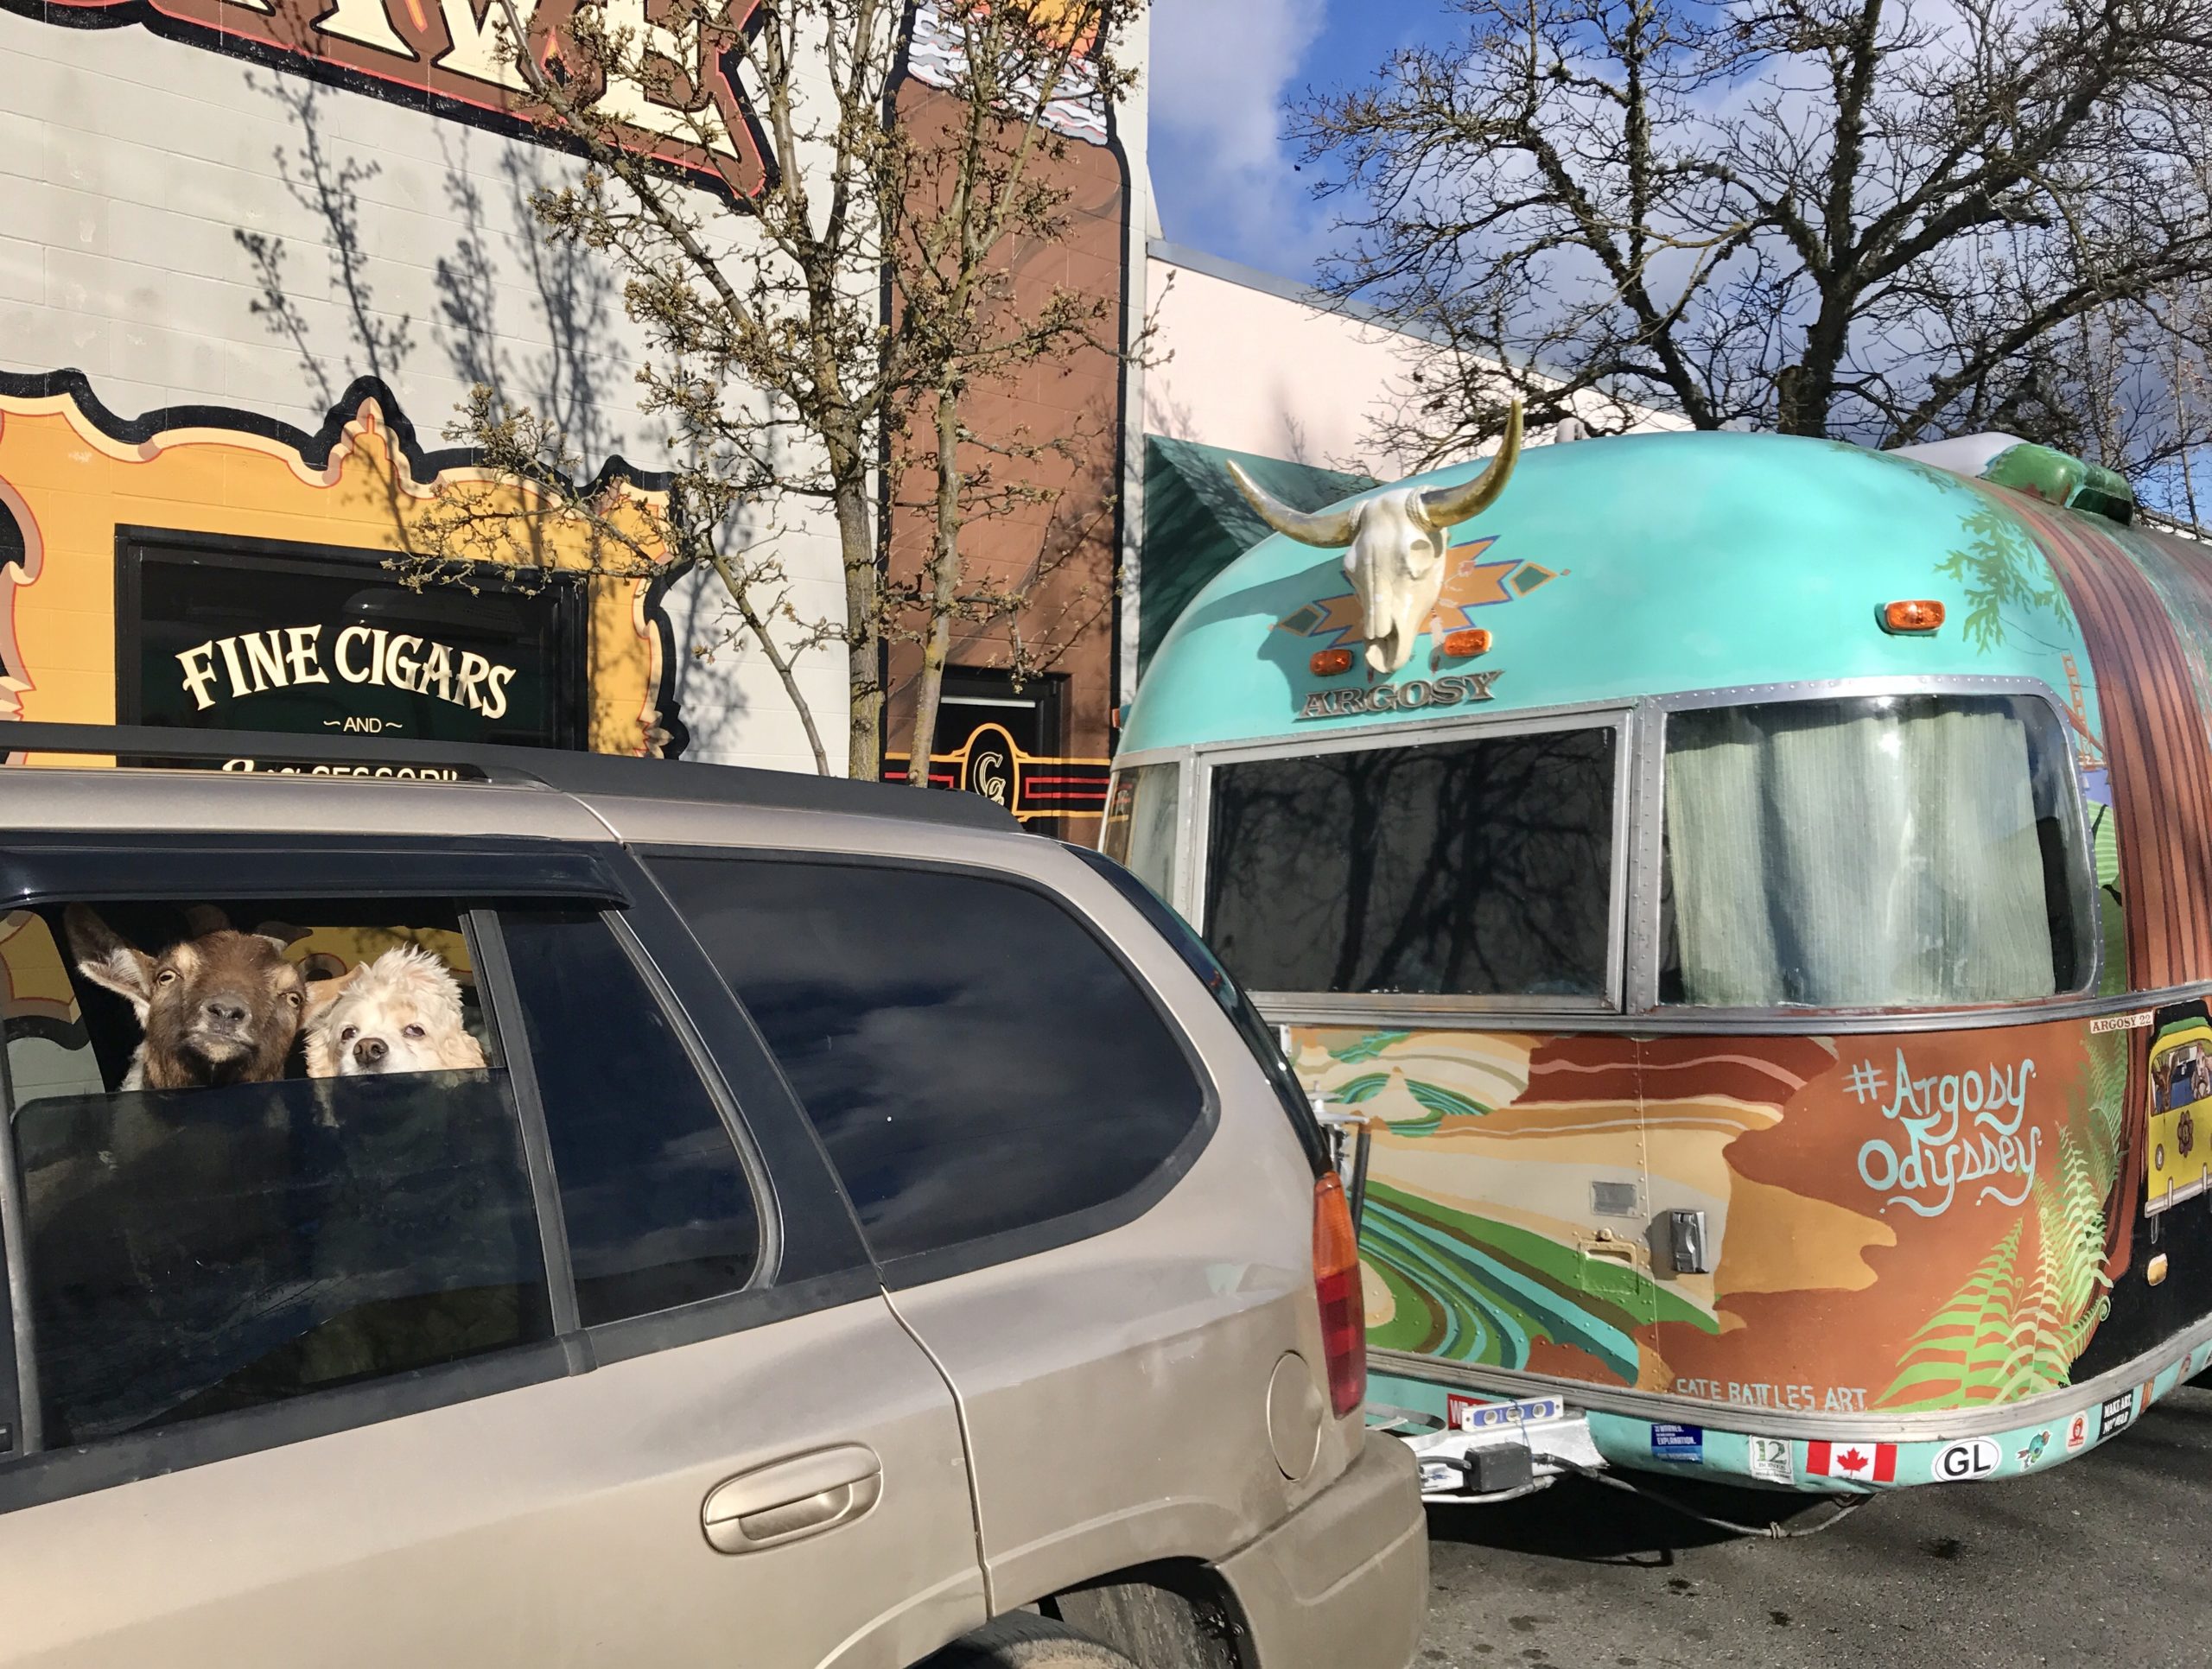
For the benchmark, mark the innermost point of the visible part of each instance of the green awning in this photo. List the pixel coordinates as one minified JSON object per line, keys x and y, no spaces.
{"x":1196,"y":523}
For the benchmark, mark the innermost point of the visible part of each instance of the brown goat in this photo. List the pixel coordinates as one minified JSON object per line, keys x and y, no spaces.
{"x":221,"y":1008}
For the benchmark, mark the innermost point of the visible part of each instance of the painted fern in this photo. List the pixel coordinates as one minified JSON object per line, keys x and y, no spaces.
{"x":2021,"y":1320}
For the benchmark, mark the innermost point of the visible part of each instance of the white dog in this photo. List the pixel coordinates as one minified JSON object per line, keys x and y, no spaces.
{"x":398,"y":1013}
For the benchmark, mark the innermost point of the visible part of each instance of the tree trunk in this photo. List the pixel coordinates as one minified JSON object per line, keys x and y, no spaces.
{"x":863,"y":627}
{"x":945,"y":582}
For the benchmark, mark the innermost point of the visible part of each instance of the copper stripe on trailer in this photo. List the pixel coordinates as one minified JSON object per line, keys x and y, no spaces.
{"x":2156,"y":750}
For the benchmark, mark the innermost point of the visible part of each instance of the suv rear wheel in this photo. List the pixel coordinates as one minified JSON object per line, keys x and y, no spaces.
{"x":1020,"y":1641}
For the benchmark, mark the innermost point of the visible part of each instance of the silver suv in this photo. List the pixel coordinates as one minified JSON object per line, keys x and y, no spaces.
{"x":608,"y":1212}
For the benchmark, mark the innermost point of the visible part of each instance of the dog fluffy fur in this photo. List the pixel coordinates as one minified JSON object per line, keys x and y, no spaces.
{"x":398,"y":1013}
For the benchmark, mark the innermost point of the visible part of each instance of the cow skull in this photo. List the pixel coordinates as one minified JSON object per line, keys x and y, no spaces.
{"x":1395,"y":562}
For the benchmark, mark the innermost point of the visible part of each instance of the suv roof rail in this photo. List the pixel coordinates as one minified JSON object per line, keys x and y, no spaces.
{"x":565,"y":771}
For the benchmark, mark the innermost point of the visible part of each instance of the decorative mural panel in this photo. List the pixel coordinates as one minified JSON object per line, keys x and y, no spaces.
{"x":1894,"y":1222}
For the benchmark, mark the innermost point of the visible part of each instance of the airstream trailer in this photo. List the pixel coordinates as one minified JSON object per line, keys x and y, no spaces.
{"x":1758,"y":902}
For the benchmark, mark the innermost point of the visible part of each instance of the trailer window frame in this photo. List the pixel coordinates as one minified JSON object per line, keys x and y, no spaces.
{"x":1197,"y":827}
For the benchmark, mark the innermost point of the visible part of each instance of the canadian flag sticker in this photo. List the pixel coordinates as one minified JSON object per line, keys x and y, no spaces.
{"x":1868,"y":1462}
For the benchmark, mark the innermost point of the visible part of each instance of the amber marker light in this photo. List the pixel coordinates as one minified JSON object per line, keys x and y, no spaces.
{"x":1469,"y":640}
{"x":1328,"y":663}
{"x":1914,"y":619}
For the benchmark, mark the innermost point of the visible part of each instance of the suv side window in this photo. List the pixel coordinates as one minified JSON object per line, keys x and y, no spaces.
{"x":974,"y":1058}
{"x":210,"y":1236}
{"x":657,"y":1206}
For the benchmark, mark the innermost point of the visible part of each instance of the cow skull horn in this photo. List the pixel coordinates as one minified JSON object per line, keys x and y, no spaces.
{"x":1443,"y":507}
{"x":1326,"y":528}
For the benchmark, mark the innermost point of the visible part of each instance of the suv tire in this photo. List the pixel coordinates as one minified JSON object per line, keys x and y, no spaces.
{"x":1022,"y":1640}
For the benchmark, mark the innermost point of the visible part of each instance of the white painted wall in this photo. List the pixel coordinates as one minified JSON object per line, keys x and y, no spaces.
{"x":187,"y":228}
{"x":1258,"y":364}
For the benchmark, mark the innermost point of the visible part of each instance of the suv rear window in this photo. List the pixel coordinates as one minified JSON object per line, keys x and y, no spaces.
{"x":974,"y":1058}
{"x":222,"y":1213}
{"x":1469,"y":868}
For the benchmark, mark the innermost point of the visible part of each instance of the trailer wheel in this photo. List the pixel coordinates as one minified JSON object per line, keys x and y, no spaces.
{"x":1021,"y":1641}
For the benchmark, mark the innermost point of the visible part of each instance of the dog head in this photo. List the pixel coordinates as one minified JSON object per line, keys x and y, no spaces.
{"x":398,"y":1013}
{"x":222,"y":1007}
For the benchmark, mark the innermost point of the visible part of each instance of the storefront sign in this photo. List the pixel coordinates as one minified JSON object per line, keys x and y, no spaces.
{"x":292,"y":655}
{"x":404,"y":773}
{"x":456,"y":52}
{"x":1415,"y":695}
{"x":328,"y":643}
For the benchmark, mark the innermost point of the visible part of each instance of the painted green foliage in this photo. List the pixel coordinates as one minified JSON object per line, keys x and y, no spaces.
{"x":2017,"y":1323}
{"x":1469,"y":1288}
{"x":2000,"y":567}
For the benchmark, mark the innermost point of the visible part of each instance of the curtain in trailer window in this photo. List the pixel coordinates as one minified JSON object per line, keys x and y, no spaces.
{"x":1879,"y":852}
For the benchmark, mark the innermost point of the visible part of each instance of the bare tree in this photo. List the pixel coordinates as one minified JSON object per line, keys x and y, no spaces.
{"x":976,"y":189}
{"x":843,"y":276}
{"x":1866,"y":218}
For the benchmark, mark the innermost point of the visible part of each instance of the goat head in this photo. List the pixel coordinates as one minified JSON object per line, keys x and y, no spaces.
{"x":219,"y":1008}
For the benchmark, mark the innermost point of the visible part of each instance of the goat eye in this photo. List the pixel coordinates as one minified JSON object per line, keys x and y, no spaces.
{"x":293,"y":998}
{"x":165,"y":976}
{"x":413,"y":1031}
{"x":349,"y":1034}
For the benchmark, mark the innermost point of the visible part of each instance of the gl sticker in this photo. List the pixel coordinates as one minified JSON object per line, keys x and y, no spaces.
{"x":1967,"y":1461}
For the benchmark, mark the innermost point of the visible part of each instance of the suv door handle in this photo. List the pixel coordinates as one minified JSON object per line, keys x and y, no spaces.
{"x":791,"y":1499}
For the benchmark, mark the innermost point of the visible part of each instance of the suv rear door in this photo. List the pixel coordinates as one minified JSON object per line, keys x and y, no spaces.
{"x":1106,"y":1242}
{"x":573,"y":1295}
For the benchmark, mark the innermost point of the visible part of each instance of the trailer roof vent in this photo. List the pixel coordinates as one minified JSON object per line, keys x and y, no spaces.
{"x":2055,"y":477}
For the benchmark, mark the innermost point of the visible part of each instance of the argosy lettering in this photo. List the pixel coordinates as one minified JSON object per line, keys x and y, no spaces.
{"x":1415,"y":695}
{"x":455,"y":50}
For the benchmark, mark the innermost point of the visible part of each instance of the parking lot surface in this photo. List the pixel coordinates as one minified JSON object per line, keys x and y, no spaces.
{"x":2102,"y":1561}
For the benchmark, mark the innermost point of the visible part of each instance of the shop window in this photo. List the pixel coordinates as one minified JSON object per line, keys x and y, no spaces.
{"x":658,"y":1209}
{"x":209,"y":1227}
{"x":974,"y":1059}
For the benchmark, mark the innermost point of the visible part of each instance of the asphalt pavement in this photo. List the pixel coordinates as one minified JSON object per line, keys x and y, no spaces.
{"x":2106,"y":1560}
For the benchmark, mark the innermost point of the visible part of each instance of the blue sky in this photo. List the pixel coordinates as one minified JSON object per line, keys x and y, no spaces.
{"x":1220,"y":72}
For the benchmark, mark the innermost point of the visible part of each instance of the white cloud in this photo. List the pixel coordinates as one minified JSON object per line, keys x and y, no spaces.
{"x":1220,"y":70}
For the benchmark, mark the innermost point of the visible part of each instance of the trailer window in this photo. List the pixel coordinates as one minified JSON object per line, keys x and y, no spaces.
{"x":1475,"y":869}
{"x":1881,"y":852}
{"x":1140,"y":832}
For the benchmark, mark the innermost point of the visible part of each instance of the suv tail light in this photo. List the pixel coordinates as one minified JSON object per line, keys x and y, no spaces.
{"x":1336,"y":1284}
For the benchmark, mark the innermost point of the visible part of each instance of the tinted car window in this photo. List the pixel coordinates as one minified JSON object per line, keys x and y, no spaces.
{"x":1252,"y":1028}
{"x":196,"y":1252}
{"x":973,"y":1058}
{"x":1473,"y":868}
{"x":657,"y":1208}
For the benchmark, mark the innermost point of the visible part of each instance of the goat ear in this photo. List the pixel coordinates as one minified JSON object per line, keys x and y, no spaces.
{"x":202,"y":920}
{"x":323,"y":992}
{"x":105,"y":957}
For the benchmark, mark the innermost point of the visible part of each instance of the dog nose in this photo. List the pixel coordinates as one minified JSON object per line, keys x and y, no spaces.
{"x":224,"y":1011}
{"x":370,"y":1051}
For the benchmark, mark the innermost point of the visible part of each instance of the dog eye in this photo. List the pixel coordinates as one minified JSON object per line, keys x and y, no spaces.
{"x":349,"y":1034}
{"x":413,"y":1031}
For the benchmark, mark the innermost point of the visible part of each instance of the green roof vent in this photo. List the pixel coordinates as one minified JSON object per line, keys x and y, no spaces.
{"x":2055,"y":477}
